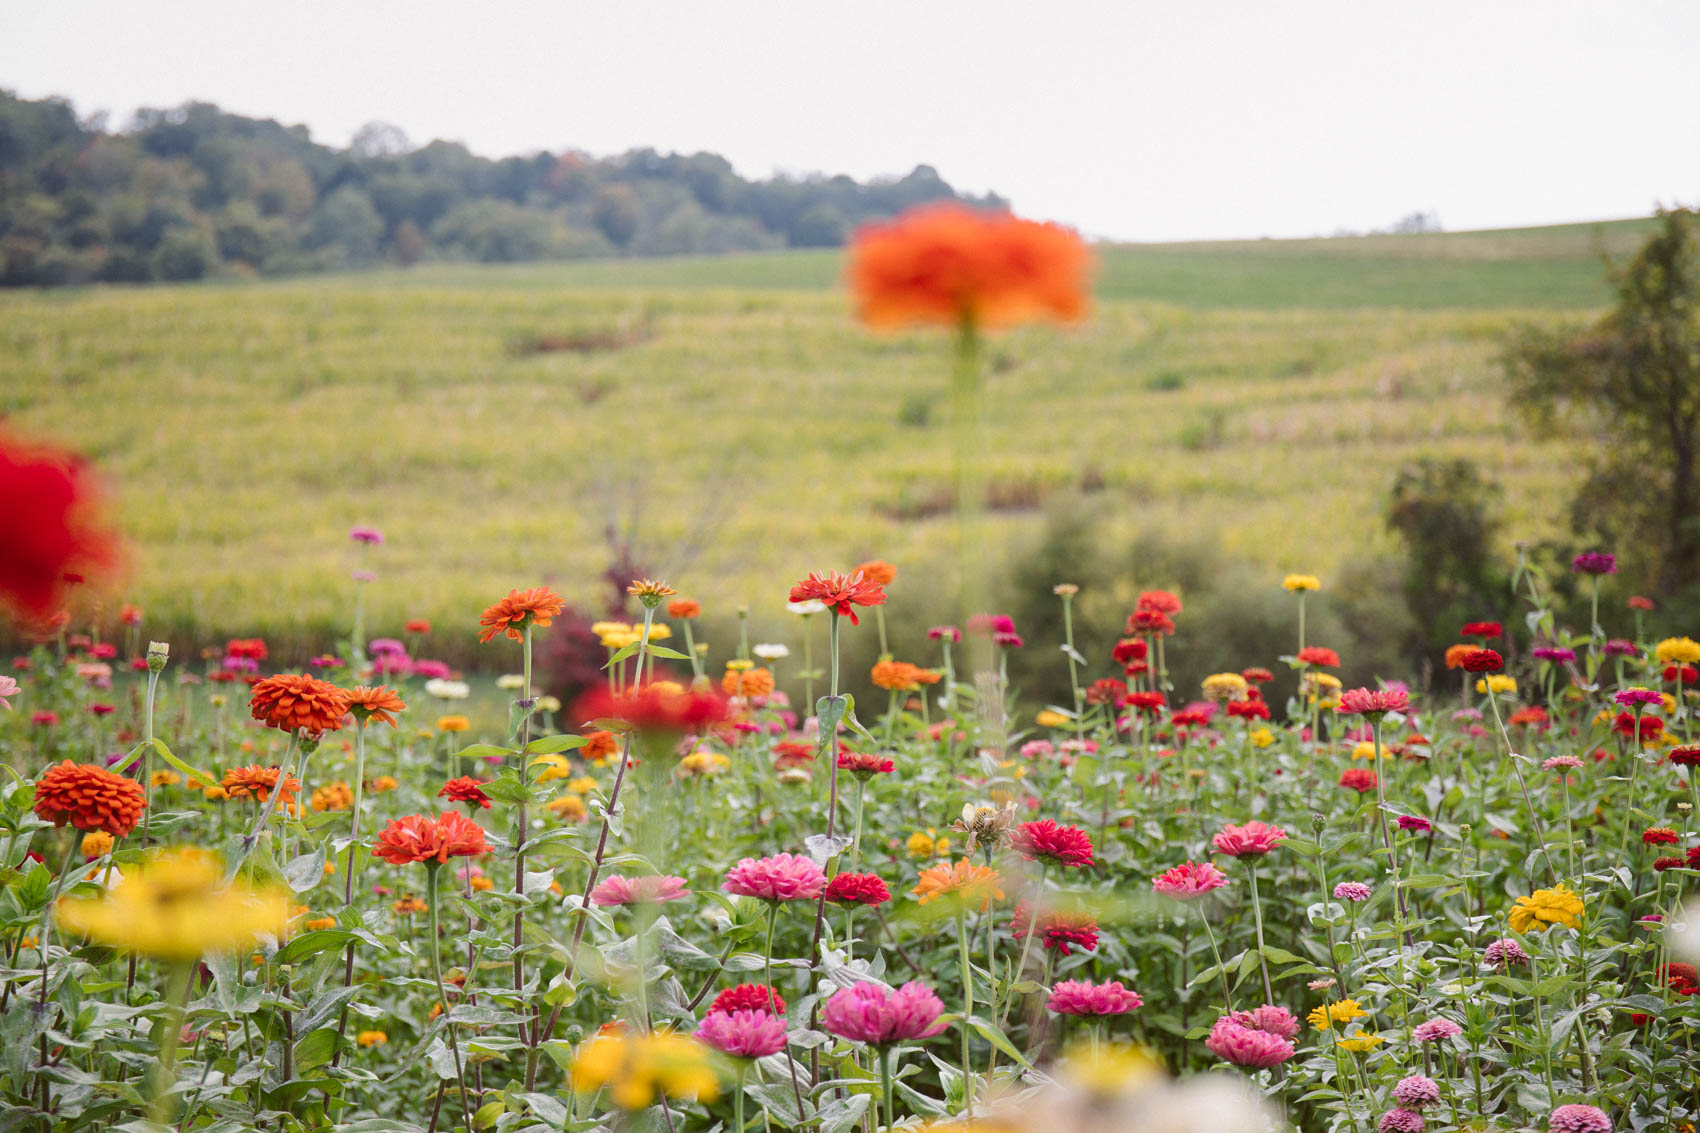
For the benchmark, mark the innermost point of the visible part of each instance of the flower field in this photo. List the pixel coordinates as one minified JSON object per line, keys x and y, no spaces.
{"x":250,"y":889}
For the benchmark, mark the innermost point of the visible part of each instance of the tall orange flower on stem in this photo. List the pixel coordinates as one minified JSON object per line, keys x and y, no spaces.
{"x":519,"y":610}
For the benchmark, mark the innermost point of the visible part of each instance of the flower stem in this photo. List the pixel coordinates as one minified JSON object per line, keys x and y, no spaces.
{"x":967,"y":1010}
{"x":167,"y":1035}
{"x":431,"y":870}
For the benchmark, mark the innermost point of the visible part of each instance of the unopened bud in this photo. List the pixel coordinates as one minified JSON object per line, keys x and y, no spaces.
{"x":158,"y":653}
{"x":1318,"y":822}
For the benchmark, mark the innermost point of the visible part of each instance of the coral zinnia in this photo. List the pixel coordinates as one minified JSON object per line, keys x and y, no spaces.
{"x":868,"y":1013}
{"x":660,"y":706}
{"x":1082,"y":997}
{"x":864,"y":765}
{"x":257,"y":783}
{"x":465,"y":790}
{"x":1359,"y":779}
{"x":1252,"y":840}
{"x":840,"y":593}
{"x":857,"y":889}
{"x":974,"y":886}
{"x":1189,"y":880}
{"x":521,"y":608}
{"x":1374,"y":702}
{"x":420,"y":838}
{"x":749,"y":683}
{"x":1058,"y":930}
{"x":50,"y":510}
{"x":89,"y":798}
{"x":951,"y":265}
{"x":878,"y":571}
{"x":1318,"y":655}
{"x":1048,"y":841}
{"x":369,"y":703}
{"x":299,"y":704}
{"x":782,"y":877}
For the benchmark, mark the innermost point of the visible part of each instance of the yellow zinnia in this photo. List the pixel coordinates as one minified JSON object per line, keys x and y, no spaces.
{"x":583,"y":785}
{"x":1358,"y":1044}
{"x":453,"y":723}
{"x":1332,"y":1014}
{"x":553,"y":767}
{"x":634,"y":1068}
{"x":1261,"y":737}
{"x":1496,"y":683}
{"x":1678,"y":650}
{"x":371,"y":1038}
{"x":926,"y":844}
{"x":1050,"y":719}
{"x":1293,"y":583}
{"x":176,"y":907}
{"x":1547,"y":907}
{"x":1225,"y":686}
{"x":1366,"y":750}
{"x":97,"y":844}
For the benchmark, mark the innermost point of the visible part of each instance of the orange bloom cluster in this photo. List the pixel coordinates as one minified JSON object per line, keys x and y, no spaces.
{"x":901,"y":676}
{"x":951,"y":265}
{"x":975,"y":886}
{"x":684,"y":608}
{"x":418,"y":838}
{"x":375,"y":704}
{"x":521,"y":608}
{"x":747,"y":682}
{"x":89,"y":798}
{"x":256,"y":782}
{"x":299,"y":703}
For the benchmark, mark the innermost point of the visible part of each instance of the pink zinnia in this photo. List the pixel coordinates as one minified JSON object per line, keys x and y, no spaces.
{"x":1247,"y":1046}
{"x":1189,"y":880}
{"x":646,"y":890}
{"x":1435,"y":1029}
{"x":1559,"y":761}
{"x":1252,"y":840}
{"x":1415,"y":823}
{"x":782,"y":877}
{"x":1053,"y":843}
{"x":1578,"y":1119}
{"x":1504,"y":952}
{"x":1416,"y":1091}
{"x":1081,"y":997}
{"x":1637,"y":697}
{"x":743,"y":1034}
{"x":1374,"y":702}
{"x":867,"y":1013}
{"x":1354,"y":891}
{"x":1275,"y":1020}
{"x":1402,"y":1121}
{"x":370,"y":536}
{"x":8,"y":687}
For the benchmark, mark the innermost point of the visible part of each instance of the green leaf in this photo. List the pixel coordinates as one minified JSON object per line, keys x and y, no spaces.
{"x":621,"y":655}
{"x":554,"y":745}
{"x":306,"y":871}
{"x":994,"y":1035}
{"x":479,"y":751}
{"x":315,"y":1048}
{"x":663,"y":651}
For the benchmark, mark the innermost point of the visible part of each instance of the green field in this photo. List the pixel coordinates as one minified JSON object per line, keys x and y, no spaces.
{"x":731,"y":414}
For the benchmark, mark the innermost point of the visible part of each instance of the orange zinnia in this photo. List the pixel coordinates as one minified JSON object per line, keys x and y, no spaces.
{"x":1455,"y":655}
{"x":952,"y":265}
{"x":375,"y":704}
{"x":683,"y":608}
{"x":521,"y":608}
{"x":418,"y":838}
{"x":89,"y":798}
{"x":257,"y":782}
{"x":878,"y":571}
{"x":599,"y":746}
{"x":974,"y":886}
{"x":747,"y":682}
{"x":292,"y":703}
{"x":895,"y":676}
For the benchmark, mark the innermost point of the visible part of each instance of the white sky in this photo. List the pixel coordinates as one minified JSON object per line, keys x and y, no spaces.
{"x":1132,"y":119}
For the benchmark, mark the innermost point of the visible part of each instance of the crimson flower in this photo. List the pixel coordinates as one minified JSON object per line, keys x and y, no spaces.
{"x":1058,"y":931}
{"x":50,"y":510}
{"x":1359,"y":779}
{"x":748,"y":997}
{"x":857,"y":889}
{"x":1053,"y":843}
{"x":1317,"y":655}
{"x":840,"y":592}
{"x":1488,"y":630}
{"x":660,"y":706}
{"x":1482,"y":661}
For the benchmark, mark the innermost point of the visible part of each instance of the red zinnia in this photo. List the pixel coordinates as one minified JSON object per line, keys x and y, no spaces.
{"x":840,"y":592}
{"x":1249,"y":709}
{"x":1160,"y":600}
{"x":1488,"y":630}
{"x":465,"y":790}
{"x":1257,"y":676}
{"x":51,"y":511}
{"x":418,"y":838}
{"x":1059,"y":931}
{"x":1651,"y":726}
{"x":1130,"y":649}
{"x":1374,"y":702}
{"x":1660,"y":836}
{"x":1053,"y":843}
{"x":89,"y":798}
{"x":1147,"y":622}
{"x":857,"y":889}
{"x":299,"y":703}
{"x":1482,"y":661}
{"x":1685,"y":756}
{"x":1317,"y":655}
{"x":1359,"y":779}
{"x":864,"y":765}
{"x":521,"y":608}
{"x":1106,"y":690}
{"x":1145,"y":701}
{"x":748,"y":997}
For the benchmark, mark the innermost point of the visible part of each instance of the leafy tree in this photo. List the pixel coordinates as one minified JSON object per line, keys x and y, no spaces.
{"x":1441,"y":511}
{"x":1629,"y":385}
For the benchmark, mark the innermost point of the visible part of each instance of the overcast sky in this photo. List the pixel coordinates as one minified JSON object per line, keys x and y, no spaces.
{"x":1130,"y":119}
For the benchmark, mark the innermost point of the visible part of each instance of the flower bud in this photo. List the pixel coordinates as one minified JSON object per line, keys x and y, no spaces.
{"x":158,"y":653}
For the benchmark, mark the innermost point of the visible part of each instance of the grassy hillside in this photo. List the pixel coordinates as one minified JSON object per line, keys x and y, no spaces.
{"x":732,"y":414}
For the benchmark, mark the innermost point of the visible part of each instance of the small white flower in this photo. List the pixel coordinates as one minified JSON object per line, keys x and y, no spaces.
{"x":770,"y":651}
{"x":447,"y":690}
{"x":510,"y":681}
{"x":805,"y":608}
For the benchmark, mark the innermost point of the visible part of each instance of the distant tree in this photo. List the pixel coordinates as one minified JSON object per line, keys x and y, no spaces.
{"x":348,"y":220}
{"x":820,"y":226}
{"x":380,"y":139}
{"x":1441,"y":510}
{"x":1412,"y":224}
{"x":1629,"y":385}
{"x":410,"y":244}
{"x":616,"y":214}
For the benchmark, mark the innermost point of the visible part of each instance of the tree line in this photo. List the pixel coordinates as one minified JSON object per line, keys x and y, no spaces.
{"x":192,"y":192}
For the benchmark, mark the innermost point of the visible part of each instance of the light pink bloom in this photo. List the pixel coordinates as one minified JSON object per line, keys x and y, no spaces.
{"x":1352,"y":891}
{"x":1275,"y":1020}
{"x":743,"y":1034}
{"x":1080,"y":997}
{"x":1435,"y":1029}
{"x":867,"y":1013}
{"x":646,"y":890}
{"x":1558,"y":761}
{"x":1401,"y":1121}
{"x":1252,"y":840}
{"x":1374,"y":702}
{"x":1578,"y":1119}
{"x":1247,"y":1046}
{"x":1417,"y":1091}
{"x":782,"y":877}
{"x":8,"y":687}
{"x":1189,"y":880}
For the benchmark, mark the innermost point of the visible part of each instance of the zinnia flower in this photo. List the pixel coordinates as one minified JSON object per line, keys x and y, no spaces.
{"x":299,"y":704}
{"x":1047,"y":841}
{"x":1416,"y":824}
{"x":1275,"y":1020}
{"x":1482,"y":661}
{"x":1561,"y":762}
{"x":465,"y":790}
{"x":857,"y":889}
{"x":878,"y":571}
{"x":367,"y":703}
{"x":1189,"y":880}
{"x":643,"y":890}
{"x":1294,"y":583}
{"x":1252,"y":840}
{"x":258,"y":782}
{"x":1359,"y":779}
{"x":51,"y":509}
{"x":520,"y":609}
{"x":1417,"y":1091}
{"x":1578,"y":1119}
{"x":839,"y":592}
{"x":1081,"y":997}
{"x":973,"y":886}
{"x":743,"y":1034}
{"x":420,"y":838}
{"x":1434,"y":1030}
{"x":1503,"y":953}
{"x":1374,"y":703}
{"x":865,"y":765}
{"x":1678,"y":651}
{"x":748,"y":997}
{"x":1332,"y":1015}
{"x":782,"y":877}
{"x":1660,"y":836}
{"x":952,"y":265}
{"x":868,"y":1013}
{"x":1401,"y":1121}
{"x":1234,"y":1042}
{"x":89,"y":798}
{"x":176,"y":906}
{"x":635,"y":1067}
{"x":1638,"y":697}
{"x":1317,"y":655}
{"x":1354,"y":891}
{"x":1059,"y":930}
{"x":659,"y":706}
{"x":1547,"y":907}
{"x":1594,"y":562}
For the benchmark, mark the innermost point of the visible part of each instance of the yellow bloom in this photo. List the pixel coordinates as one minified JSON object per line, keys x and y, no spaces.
{"x":972,"y":886}
{"x":568,"y":808}
{"x":619,"y":639}
{"x":926,"y":844}
{"x":1678,"y":650}
{"x":1366,"y":750}
{"x":554,"y":767}
{"x":371,"y":1038}
{"x":1326,"y":680}
{"x":1049,"y":719}
{"x":1497,"y":682}
{"x":384,"y":783}
{"x":166,"y":778}
{"x":333,"y":796}
{"x":1335,"y":1014}
{"x":603,"y":629}
{"x":1546,"y":907}
{"x":481,"y":884}
{"x":1225,"y":686}
{"x":97,"y":844}
{"x":660,"y":632}
{"x":1296,"y":582}
{"x":704,"y":763}
{"x":453,"y":723}
{"x":1358,"y":1044}
{"x":583,"y":785}
{"x":1261,"y":737}
{"x":176,"y":907}
{"x":634,"y":1068}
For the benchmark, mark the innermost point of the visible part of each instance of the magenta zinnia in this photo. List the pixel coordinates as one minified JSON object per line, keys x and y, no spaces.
{"x":743,"y":1034}
{"x":1055,"y":844}
{"x":1081,"y":997}
{"x":868,"y":1013}
{"x":782,"y":877}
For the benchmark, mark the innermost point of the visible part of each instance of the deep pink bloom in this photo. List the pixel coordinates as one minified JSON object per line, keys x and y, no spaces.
{"x":1402,"y":1121}
{"x":1578,"y":1119}
{"x":1250,"y":1047}
{"x":1081,"y":997}
{"x":748,"y":997}
{"x":1435,"y":1029}
{"x":782,"y":877}
{"x":648,"y":889}
{"x":1503,"y":953}
{"x":1416,"y":1091}
{"x":370,"y":536}
{"x":743,"y":1034}
{"x":864,"y":764}
{"x":1374,"y":702}
{"x":1252,"y":840}
{"x":1618,"y":647}
{"x":867,"y":1013}
{"x":1275,"y":1020}
{"x":945,"y":633}
{"x":1634,"y":697}
{"x":1594,"y":562}
{"x":857,"y":889}
{"x":1189,"y":880}
{"x":1415,"y":823}
{"x":1059,"y":845}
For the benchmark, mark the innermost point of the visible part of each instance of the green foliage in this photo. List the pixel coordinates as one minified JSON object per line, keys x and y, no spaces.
{"x":1443,"y":513}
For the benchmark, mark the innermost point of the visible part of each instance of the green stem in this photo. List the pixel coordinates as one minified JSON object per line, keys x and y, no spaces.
{"x":967,"y":1010}
{"x":431,"y":870}
{"x":1257,"y":914}
{"x":167,"y":1035}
